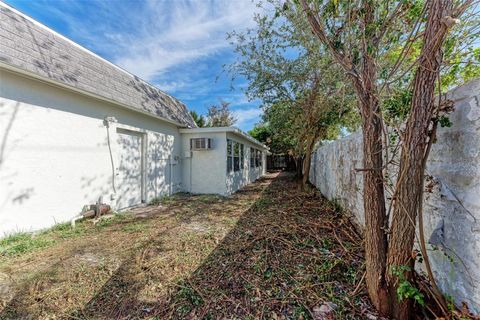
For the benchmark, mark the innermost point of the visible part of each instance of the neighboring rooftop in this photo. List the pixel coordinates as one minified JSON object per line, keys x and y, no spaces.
{"x":32,"y":47}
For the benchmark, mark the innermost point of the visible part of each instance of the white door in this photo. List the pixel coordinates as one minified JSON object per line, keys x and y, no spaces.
{"x":129,"y":173}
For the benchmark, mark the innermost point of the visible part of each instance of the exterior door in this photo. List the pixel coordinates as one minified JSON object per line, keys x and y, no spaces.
{"x":130,"y":171}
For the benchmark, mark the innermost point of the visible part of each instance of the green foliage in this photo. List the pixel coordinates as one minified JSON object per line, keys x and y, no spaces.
{"x":444,"y":121}
{"x":188,"y":293}
{"x":25,"y":242}
{"x":305,"y":96}
{"x":462,"y":52}
{"x":155,"y":201}
{"x":262,"y":133}
{"x":106,"y":221}
{"x":160,"y":200}
{"x":21,"y":243}
{"x":189,"y":299}
{"x":301,"y":312}
{"x":389,"y":34}
{"x":397,"y":105}
{"x":405,"y":289}
{"x":393,"y":38}
{"x":65,"y":230}
{"x":135,"y":227}
{"x":450,"y":303}
{"x":199,"y":119}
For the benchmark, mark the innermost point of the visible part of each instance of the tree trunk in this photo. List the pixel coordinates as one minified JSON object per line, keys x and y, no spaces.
{"x":307,"y":161}
{"x":375,"y":211}
{"x":298,"y":167}
{"x":414,"y":148}
{"x":376,"y":221}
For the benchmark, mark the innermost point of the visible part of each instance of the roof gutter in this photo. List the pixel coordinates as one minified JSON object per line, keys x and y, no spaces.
{"x":49,"y":81}
{"x":234,"y":130}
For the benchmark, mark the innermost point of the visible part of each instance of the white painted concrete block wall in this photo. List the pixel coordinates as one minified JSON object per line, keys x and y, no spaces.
{"x":454,"y":164}
{"x":55,"y":157}
{"x":204,"y":171}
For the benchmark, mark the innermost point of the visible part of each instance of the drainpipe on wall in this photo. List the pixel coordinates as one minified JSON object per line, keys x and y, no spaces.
{"x":170,"y":160}
{"x":191,"y":168}
{"x":107,"y":121}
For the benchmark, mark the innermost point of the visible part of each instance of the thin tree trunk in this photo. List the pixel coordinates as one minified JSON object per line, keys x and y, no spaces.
{"x":414,"y":148}
{"x":374,"y":196}
{"x":375,"y":212}
{"x":298,"y":167}
{"x":376,"y":222}
{"x":307,"y":161}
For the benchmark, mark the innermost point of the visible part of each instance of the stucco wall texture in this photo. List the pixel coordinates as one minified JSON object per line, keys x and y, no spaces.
{"x":206,"y":171}
{"x":54,"y":154}
{"x":451,"y":210}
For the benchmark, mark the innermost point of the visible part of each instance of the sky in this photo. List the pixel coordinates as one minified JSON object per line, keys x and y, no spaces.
{"x":179,"y":46}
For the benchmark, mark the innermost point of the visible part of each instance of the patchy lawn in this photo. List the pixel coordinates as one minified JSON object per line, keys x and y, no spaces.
{"x":269,"y":251}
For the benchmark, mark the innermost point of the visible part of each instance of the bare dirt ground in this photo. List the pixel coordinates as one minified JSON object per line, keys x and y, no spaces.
{"x":269,"y":251}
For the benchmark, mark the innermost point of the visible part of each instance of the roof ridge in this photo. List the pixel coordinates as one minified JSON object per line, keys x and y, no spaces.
{"x":32,"y":46}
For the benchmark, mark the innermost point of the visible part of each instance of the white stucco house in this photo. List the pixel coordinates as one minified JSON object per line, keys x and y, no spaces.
{"x":75,"y":127}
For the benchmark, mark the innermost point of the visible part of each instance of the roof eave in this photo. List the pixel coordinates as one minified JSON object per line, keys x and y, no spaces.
{"x":34,"y":76}
{"x":225,"y":129}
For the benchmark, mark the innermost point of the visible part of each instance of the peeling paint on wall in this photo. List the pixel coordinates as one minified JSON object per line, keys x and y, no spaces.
{"x":451,"y":210}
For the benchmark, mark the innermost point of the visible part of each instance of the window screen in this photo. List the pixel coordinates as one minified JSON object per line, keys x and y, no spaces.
{"x":229,"y":156}
{"x":252,"y":157}
{"x":236,"y":156}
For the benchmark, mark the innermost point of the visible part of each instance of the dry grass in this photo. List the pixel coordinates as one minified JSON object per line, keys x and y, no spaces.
{"x":269,"y":251}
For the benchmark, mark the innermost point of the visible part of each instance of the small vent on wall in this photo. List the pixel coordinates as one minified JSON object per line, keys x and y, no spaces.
{"x":201,"y":144}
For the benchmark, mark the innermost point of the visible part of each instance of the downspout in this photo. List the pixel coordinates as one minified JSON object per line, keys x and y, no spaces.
{"x":156,"y":171}
{"x":171,"y":167}
{"x":191,"y":160}
{"x":107,"y":122}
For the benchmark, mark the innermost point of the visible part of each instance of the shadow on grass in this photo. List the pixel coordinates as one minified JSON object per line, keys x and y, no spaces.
{"x":125,"y":284}
{"x":281,"y":259}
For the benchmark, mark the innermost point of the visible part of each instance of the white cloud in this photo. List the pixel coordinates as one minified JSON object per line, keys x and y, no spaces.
{"x":177,"y":45}
{"x":175,"y":32}
{"x":147,"y":38}
{"x":245,"y":117}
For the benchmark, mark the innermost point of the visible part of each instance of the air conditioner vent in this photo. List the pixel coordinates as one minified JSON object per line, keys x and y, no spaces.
{"x":201,"y":144}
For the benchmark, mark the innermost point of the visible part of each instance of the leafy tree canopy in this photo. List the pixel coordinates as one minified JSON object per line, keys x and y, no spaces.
{"x":220,"y":116}
{"x":199,"y":119}
{"x":304,"y":95}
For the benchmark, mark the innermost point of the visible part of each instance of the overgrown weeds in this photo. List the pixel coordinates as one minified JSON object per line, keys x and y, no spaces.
{"x":269,"y":251}
{"x":288,"y":255}
{"x":25,"y":242}
{"x":21,"y":243}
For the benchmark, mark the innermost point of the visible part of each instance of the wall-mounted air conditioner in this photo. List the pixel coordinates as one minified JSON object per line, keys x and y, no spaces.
{"x":201,"y":144}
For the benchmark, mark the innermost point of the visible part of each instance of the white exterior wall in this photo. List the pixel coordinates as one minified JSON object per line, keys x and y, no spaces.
{"x":204,"y":171}
{"x":451,"y":210}
{"x":54,"y":155}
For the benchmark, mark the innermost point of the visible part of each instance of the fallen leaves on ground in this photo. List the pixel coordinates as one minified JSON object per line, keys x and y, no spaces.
{"x":269,"y":251}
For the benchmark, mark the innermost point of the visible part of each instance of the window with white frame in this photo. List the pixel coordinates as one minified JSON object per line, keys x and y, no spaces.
{"x":236,"y":156}
{"x":242,"y":157}
{"x":229,"y":155}
{"x":252,"y":157}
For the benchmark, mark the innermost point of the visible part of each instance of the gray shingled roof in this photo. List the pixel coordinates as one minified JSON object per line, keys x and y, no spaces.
{"x":35,"y":48}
